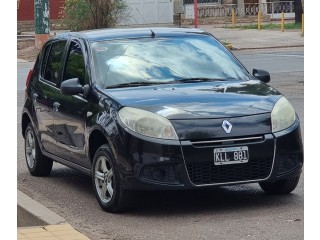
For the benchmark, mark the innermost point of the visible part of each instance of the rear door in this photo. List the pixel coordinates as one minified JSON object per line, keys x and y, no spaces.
{"x":71,"y":112}
{"x":45,"y":89}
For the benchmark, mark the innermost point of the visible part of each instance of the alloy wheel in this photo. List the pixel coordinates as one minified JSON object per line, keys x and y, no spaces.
{"x":104,"y":179}
{"x":30,"y":149}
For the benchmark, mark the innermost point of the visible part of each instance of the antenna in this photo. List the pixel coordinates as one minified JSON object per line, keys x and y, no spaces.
{"x":152,"y":32}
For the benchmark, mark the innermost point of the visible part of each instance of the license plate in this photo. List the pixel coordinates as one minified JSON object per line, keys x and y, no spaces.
{"x":231,"y":155}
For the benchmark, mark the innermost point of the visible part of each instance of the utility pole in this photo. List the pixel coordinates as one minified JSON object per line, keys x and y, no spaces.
{"x":41,"y":22}
{"x":298,"y":10}
{"x":195,"y":9}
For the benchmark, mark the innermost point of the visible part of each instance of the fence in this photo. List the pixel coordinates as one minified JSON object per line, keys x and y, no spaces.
{"x":214,"y":8}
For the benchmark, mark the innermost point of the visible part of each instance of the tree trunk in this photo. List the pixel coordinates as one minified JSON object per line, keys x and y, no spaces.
{"x":298,"y":11}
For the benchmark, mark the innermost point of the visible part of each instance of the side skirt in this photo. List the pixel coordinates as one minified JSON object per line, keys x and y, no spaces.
{"x":67,"y":163}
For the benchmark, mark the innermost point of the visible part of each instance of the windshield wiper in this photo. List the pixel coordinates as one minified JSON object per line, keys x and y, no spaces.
{"x":201,"y":79}
{"x":182,"y":80}
{"x":134,"y":84}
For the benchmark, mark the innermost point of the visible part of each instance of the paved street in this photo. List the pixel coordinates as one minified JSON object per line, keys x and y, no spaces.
{"x":238,"y":212}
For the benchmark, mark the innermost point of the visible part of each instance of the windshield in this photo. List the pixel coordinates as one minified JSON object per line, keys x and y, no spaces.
{"x":163,"y":60}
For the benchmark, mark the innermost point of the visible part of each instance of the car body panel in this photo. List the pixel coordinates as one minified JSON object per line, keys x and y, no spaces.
{"x":133,"y":33}
{"x":208,"y":129}
{"x":69,"y":126}
{"x":42,"y":102}
{"x":218,"y":99}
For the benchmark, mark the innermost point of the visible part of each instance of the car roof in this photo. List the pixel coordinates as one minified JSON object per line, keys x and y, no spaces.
{"x":123,"y":33}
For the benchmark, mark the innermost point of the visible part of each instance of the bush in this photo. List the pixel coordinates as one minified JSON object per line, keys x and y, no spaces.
{"x":92,"y":14}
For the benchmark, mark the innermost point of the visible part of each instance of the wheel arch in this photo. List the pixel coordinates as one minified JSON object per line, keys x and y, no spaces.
{"x":25,"y":122}
{"x":96,"y":139}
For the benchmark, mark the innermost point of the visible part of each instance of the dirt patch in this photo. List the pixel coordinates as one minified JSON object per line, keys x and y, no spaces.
{"x":26,"y":50}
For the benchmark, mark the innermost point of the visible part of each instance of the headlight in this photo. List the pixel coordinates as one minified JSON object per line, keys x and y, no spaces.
{"x":282,"y":115}
{"x":147,"y":123}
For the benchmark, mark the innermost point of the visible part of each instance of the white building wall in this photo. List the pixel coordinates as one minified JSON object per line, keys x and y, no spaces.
{"x":149,"y":12}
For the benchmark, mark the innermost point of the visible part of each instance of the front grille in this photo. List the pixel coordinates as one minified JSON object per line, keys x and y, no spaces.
{"x":228,"y":141}
{"x":208,"y":173}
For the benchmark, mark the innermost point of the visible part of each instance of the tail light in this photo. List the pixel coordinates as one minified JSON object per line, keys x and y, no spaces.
{"x":29,"y":77}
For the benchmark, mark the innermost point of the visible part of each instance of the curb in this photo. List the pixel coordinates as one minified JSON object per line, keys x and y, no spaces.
{"x":229,"y":46}
{"x":270,"y":47}
{"x":21,"y":60}
{"x":35,"y":221}
{"x":32,"y":213}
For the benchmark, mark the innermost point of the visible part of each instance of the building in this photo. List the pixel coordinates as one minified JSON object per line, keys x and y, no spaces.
{"x":162,"y":11}
{"x":26,"y":9}
{"x":139,"y":11}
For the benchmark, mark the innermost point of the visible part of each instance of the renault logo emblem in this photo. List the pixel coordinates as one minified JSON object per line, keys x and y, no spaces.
{"x":226,"y":126}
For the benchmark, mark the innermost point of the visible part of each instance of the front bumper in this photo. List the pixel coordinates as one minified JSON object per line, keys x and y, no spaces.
{"x":147,"y":163}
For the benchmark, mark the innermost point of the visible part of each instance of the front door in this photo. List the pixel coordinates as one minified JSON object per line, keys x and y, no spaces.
{"x":70,"y":112}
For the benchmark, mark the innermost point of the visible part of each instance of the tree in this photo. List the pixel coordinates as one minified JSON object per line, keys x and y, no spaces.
{"x":92,"y":14}
{"x":298,"y":10}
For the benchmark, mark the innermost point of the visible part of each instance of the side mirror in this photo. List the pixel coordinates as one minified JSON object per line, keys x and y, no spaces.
{"x":71,"y":87}
{"x":262,"y":75}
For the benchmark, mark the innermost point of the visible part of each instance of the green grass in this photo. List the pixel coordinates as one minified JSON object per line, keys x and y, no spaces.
{"x":225,"y":42}
{"x":271,"y":26}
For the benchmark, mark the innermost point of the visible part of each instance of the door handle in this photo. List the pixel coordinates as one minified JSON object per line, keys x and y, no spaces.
{"x":34,"y":97}
{"x":56,"y":106}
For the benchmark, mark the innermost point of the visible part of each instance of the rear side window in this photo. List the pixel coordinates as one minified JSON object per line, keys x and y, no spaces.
{"x":75,"y":66}
{"x":36,"y":67}
{"x":53,"y":61}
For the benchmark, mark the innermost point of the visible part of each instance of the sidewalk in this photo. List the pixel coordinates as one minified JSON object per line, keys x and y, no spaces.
{"x":254,"y":39}
{"x":50,"y":232}
{"x":36,"y":222}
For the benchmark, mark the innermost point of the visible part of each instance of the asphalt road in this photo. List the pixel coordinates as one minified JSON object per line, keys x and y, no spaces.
{"x":238,"y":212}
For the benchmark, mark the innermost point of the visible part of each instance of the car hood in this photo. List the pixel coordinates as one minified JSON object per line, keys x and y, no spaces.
{"x":200,"y":100}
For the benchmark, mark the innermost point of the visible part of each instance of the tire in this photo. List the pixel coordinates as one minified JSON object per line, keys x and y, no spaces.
{"x":37,"y":163}
{"x":106,"y":182}
{"x":280,"y":187}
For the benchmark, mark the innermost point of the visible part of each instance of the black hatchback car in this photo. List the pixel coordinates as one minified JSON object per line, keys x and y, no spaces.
{"x":160,"y":108}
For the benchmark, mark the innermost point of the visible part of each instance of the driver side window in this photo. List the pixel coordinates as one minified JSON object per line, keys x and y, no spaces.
{"x":75,"y":66}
